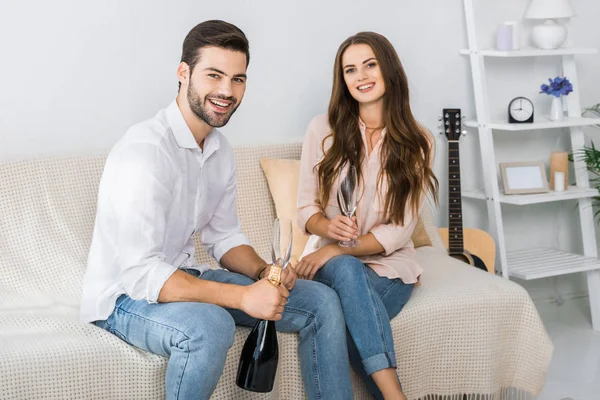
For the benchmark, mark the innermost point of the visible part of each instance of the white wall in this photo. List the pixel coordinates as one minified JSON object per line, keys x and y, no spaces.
{"x":74,"y":75}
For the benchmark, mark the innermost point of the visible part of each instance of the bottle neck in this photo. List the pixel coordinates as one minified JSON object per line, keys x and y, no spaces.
{"x":275,"y":275}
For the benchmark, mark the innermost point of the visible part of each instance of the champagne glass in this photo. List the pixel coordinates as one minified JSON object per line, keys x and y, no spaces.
{"x":260,"y":355}
{"x":281,"y":242}
{"x":347,"y":197}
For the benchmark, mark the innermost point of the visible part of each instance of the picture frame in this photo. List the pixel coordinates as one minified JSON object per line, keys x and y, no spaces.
{"x":524,"y":177}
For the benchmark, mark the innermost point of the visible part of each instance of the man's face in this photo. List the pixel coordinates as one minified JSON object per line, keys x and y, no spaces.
{"x":217,"y":85}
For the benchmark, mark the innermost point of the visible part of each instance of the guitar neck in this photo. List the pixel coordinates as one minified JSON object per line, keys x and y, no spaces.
{"x":455,"y":231}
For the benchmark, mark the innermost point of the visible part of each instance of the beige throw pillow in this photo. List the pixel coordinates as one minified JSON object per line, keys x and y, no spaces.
{"x":282,"y":176}
{"x":420,"y":236}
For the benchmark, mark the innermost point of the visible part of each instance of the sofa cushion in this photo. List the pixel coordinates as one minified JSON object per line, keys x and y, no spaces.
{"x":48,"y":208}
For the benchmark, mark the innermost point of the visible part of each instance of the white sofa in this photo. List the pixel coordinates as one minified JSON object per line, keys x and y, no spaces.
{"x":464,"y":332}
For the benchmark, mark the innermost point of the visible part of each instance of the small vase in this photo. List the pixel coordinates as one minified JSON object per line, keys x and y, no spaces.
{"x":556,"y":109}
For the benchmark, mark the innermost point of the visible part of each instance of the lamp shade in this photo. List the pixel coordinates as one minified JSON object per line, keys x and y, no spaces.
{"x":546,"y":9}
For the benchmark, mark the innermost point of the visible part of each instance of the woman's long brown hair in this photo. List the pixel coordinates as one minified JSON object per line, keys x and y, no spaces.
{"x":407,"y":148}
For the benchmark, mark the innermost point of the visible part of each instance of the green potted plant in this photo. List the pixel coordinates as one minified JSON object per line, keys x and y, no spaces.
{"x":591,"y":157}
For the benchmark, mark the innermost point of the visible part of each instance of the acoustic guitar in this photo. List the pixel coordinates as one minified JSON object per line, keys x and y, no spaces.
{"x":472,"y":246}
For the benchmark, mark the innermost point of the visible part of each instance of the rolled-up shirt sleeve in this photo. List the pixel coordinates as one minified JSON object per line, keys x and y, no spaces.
{"x":140,"y":198}
{"x":224,"y":231}
{"x":394,"y":237}
{"x":308,"y":183}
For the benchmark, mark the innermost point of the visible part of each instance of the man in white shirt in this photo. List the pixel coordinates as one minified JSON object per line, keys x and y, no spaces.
{"x":166,"y":179}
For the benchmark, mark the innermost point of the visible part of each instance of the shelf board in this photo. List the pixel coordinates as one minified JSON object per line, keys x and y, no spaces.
{"x":542,"y":263}
{"x":531,"y":52}
{"x":543,"y":122}
{"x":572,"y":193}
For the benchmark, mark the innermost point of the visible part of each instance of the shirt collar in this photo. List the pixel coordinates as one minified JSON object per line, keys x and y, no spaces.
{"x":183,"y":135}
{"x":181,"y":131}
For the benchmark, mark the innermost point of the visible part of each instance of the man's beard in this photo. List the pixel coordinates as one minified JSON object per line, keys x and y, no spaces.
{"x":201,"y":110}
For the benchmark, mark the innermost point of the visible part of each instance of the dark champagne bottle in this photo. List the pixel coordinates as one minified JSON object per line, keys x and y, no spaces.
{"x":258,"y":361}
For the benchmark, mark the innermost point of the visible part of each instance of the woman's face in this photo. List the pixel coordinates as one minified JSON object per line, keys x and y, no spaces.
{"x":362,"y":74}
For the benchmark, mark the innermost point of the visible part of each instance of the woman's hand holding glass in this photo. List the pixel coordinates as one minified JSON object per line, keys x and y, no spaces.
{"x":347,"y":197}
{"x":342,"y":228}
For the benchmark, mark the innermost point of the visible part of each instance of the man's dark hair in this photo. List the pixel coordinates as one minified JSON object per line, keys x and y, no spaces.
{"x":214,"y":33}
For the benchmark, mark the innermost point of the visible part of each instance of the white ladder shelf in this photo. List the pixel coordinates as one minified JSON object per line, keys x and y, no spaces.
{"x":534,"y":263}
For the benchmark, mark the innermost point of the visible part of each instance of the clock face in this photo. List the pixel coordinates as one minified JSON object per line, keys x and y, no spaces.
{"x":521,"y":109}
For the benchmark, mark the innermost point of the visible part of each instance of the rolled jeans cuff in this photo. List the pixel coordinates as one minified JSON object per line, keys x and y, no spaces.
{"x":378,"y":362}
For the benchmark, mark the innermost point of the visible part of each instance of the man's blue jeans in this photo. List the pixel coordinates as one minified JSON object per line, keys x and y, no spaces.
{"x":196,"y":337}
{"x":369,"y":302}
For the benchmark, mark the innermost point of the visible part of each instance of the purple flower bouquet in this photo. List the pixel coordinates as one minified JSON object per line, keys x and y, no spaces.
{"x":557,"y":87}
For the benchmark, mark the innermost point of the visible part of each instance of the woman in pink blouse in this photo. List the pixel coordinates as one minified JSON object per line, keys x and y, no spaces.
{"x":369,"y":125}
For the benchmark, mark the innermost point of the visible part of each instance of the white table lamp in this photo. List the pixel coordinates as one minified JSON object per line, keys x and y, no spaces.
{"x":549,"y":35}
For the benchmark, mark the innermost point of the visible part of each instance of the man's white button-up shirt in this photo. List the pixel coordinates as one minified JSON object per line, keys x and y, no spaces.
{"x":158,"y":188}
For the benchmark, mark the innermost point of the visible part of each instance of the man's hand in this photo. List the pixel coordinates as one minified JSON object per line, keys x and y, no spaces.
{"x":288,"y":276}
{"x":310,"y":264}
{"x":263,"y":300}
{"x":342,"y":228}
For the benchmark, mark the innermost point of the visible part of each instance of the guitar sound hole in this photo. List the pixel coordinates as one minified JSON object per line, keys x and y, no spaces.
{"x":461,"y":257}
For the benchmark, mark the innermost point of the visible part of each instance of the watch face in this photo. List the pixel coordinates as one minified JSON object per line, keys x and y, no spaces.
{"x":521,"y":109}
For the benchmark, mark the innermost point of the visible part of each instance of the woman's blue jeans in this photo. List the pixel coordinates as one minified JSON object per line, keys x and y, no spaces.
{"x":369,"y":302}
